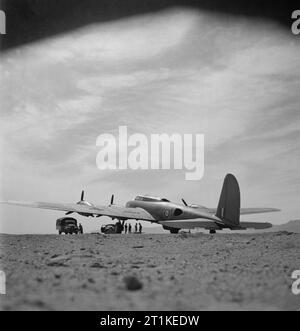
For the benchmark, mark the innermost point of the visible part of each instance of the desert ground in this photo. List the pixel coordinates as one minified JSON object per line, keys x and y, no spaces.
{"x":150,"y":271}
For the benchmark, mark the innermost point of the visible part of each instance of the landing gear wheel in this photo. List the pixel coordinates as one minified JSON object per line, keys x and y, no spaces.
{"x":118,"y":227}
{"x":172,"y":230}
{"x":212,"y":231}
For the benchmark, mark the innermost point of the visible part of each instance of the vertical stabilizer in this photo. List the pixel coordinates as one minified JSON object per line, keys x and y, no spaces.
{"x":230,"y":202}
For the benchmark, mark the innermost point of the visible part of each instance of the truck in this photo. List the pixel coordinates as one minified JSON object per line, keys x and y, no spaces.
{"x":67,"y":225}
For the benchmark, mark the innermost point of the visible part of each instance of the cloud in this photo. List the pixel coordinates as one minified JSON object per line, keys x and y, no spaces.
{"x":127,"y":40}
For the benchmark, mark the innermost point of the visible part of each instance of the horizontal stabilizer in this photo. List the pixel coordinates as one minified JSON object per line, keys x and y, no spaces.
{"x":255,"y":225}
{"x":251,"y":211}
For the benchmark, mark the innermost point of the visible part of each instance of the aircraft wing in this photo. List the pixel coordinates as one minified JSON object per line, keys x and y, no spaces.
{"x":111,"y":211}
{"x":251,"y":211}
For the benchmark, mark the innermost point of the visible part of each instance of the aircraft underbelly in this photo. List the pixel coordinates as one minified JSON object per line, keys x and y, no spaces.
{"x":190,"y":224}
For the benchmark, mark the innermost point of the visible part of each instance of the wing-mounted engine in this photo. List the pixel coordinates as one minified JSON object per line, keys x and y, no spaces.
{"x":82,"y":202}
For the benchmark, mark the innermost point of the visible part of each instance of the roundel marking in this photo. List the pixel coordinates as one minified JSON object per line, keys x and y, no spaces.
{"x":166,"y":212}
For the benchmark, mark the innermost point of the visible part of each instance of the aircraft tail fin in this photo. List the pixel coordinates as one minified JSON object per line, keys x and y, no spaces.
{"x":230,"y":202}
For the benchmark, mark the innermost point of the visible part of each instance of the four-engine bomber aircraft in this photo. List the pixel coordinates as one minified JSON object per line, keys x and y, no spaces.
{"x":171,"y":216}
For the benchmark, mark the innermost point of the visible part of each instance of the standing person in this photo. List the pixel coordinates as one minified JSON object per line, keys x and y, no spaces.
{"x":126,"y":227}
{"x":140,"y":228}
{"x":136,"y":227}
{"x":80,"y":228}
{"x":129,"y":228}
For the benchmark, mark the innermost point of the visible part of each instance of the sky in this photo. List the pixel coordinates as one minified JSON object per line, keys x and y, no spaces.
{"x":235,"y":80}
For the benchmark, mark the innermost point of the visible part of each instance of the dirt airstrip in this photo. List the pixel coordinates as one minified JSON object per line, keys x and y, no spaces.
{"x":150,"y":271}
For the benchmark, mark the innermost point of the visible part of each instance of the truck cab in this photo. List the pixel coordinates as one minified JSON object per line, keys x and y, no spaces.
{"x":67,"y":225}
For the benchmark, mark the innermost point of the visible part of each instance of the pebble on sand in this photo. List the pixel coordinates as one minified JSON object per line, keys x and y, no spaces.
{"x":132,"y":283}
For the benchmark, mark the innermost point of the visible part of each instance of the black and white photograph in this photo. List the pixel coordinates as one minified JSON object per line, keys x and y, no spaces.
{"x":149,"y":158}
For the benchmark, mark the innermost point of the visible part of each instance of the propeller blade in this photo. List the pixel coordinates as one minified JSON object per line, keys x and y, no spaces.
{"x":82,"y":196}
{"x":112,"y":199}
{"x":184,"y":202}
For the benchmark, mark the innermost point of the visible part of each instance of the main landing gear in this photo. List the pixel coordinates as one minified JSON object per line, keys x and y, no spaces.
{"x":119,"y":227}
{"x":212,"y":231}
{"x":172,"y":230}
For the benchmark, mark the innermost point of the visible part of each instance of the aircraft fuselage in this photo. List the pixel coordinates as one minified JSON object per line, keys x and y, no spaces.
{"x":164,"y":211}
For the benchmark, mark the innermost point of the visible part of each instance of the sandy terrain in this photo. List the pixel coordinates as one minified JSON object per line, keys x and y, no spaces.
{"x":170,"y":272}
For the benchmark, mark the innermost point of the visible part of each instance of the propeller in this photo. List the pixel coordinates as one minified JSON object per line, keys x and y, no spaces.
{"x":184,"y":202}
{"x":192,"y":205}
{"x":81,"y":199}
{"x":112,"y":199}
{"x":111,"y":202}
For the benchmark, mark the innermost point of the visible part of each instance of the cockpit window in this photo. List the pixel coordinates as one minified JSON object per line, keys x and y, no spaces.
{"x":150,"y":199}
{"x":138,"y":198}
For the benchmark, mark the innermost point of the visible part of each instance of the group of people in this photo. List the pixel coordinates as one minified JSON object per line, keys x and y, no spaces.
{"x":137,"y":228}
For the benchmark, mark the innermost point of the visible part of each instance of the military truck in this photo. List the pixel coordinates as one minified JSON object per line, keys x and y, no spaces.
{"x":112,"y":228}
{"x":67,"y":225}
